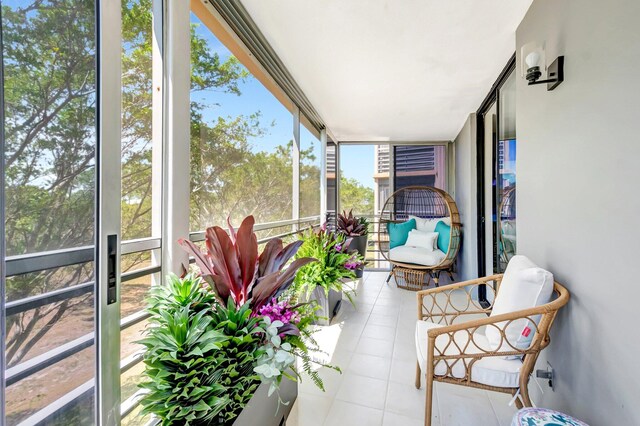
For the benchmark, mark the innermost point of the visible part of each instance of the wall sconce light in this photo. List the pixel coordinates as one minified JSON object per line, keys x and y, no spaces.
{"x":534,"y":58}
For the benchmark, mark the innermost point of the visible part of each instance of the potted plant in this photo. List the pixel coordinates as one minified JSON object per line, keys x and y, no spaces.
{"x":357,"y":229}
{"x":222,"y":341}
{"x":323,"y":281}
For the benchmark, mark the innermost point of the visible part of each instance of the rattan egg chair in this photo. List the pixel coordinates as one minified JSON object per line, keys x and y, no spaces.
{"x":424,"y":202}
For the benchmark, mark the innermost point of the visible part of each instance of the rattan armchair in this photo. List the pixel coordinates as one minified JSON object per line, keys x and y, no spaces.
{"x":454,"y":347}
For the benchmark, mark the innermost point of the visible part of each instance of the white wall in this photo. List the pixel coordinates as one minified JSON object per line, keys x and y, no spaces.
{"x":466,"y":199}
{"x":579,"y":203}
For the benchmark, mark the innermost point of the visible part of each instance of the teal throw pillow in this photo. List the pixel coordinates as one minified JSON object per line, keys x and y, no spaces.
{"x":444,"y":235}
{"x":399,"y":232}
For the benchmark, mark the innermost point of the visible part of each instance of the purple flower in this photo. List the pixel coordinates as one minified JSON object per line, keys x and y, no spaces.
{"x":280,"y":311}
{"x":352,"y":265}
{"x":338,"y":247}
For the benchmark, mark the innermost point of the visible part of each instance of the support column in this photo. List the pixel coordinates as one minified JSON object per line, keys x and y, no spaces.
{"x":176,"y":176}
{"x":157,"y":133}
{"x":295,"y":161}
{"x":323,"y":175}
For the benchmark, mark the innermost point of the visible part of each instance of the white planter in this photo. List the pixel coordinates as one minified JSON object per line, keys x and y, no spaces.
{"x":264,"y":410}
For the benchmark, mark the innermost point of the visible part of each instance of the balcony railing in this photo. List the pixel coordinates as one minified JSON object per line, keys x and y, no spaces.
{"x":37,"y":262}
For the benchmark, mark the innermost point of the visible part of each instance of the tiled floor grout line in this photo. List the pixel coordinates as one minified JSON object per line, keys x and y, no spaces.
{"x":495,"y":413}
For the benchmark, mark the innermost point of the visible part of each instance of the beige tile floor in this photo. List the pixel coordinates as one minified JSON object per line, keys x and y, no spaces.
{"x":373,"y":345}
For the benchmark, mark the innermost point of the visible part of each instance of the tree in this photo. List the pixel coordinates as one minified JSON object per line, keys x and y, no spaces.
{"x":50,"y":129}
{"x":354,"y":195}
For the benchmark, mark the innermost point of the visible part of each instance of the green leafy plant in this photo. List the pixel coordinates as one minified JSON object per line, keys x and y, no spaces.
{"x":216,"y":335}
{"x":199,"y":355}
{"x":277,"y":356}
{"x":182,"y":356}
{"x":237,"y":355}
{"x":334,"y":263}
{"x":352,"y":226}
{"x":233,"y":268}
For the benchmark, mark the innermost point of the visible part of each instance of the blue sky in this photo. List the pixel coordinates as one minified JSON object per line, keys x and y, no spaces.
{"x":254,"y":98}
{"x":356,"y":161}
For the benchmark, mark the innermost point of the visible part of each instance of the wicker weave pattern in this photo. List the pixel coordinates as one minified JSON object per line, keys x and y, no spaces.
{"x":436,"y":305}
{"x":410,"y":279}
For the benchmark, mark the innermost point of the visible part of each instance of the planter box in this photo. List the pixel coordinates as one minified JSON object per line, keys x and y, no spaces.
{"x":329,"y":306}
{"x":360,"y":245}
{"x":266,"y":410}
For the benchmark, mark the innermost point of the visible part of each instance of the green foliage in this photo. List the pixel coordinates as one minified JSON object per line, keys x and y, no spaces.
{"x":356,"y":196}
{"x":329,"y":271}
{"x":276,"y":358}
{"x":182,"y":358}
{"x":237,"y":355}
{"x":199,"y":355}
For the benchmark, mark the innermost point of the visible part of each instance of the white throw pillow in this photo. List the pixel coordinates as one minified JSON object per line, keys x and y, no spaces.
{"x":429,"y":225}
{"x":427,"y":240}
{"x":524,"y":286}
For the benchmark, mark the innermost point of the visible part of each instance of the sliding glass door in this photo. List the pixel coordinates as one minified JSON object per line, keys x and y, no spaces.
{"x":50,"y":124}
{"x":497,"y":174}
{"x":82,"y":205}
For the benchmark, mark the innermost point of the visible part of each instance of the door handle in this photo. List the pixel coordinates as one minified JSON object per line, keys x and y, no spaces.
{"x":112,"y":259}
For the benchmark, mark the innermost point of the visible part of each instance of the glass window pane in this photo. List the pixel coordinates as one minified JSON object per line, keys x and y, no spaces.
{"x":32,"y":394}
{"x":506,"y":181}
{"x":49,"y":59}
{"x":137,"y":93}
{"x":309,"y":173}
{"x":241,"y":140}
{"x":135,"y":419}
{"x":35,"y":331}
{"x":129,"y":381}
{"x":50,"y":124}
{"x":358,"y":178}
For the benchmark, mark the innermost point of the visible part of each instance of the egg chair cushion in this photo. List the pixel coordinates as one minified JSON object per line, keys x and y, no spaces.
{"x":416,"y":255}
{"x":429,"y":224}
{"x":444,"y":236}
{"x":428,"y":240}
{"x":399,"y":232}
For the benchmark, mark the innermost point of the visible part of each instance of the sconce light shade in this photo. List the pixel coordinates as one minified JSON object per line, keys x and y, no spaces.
{"x":532,"y":59}
{"x":534,"y":64}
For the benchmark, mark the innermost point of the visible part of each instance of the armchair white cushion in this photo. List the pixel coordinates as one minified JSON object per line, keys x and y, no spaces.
{"x":524,"y":286}
{"x":491,"y":370}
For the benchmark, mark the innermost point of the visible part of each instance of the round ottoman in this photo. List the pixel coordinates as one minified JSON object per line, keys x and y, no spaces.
{"x":543,"y":417}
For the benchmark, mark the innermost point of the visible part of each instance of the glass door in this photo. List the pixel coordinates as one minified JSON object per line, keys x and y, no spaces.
{"x":506,"y":175}
{"x":489,"y":190}
{"x":497,"y":175}
{"x":50,"y":143}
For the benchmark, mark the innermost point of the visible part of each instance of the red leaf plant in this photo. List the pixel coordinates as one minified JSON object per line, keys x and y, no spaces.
{"x":232,"y":267}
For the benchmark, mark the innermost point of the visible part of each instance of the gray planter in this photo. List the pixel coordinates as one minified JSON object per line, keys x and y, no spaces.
{"x":329,"y":306}
{"x":360,"y":245}
{"x":266,"y":410}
